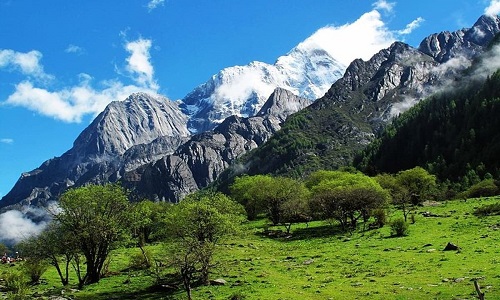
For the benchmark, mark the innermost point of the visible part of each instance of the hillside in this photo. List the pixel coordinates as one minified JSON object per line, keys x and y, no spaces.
{"x":328,"y":134}
{"x":454,"y":134}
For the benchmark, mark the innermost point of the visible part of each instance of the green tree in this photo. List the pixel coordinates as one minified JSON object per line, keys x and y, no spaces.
{"x":97,"y":217}
{"x":196,"y":226}
{"x":55,"y":245}
{"x":251,"y":192}
{"x":347,"y":197}
{"x":419,"y":183}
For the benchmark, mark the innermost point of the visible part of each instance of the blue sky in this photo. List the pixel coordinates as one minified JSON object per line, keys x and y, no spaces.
{"x":62,"y":61}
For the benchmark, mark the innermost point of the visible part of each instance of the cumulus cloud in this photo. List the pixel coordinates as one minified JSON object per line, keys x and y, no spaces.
{"x":71,"y":103}
{"x":411,"y":26}
{"x":6,"y":141}
{"x":493,"y":8}
{"x":154,"y":4}
{"x":27,"y":63}
{"x":139,"y":64}
{"x":361,"y":39}
{"x":384,"y":5}
{"x":74,"y":49}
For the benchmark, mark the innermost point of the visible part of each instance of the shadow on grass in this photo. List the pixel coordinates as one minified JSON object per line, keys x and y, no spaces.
{"x":321,"y":231}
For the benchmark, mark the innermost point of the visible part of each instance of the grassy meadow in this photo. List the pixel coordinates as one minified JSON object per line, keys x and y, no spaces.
{"x":320,"y":262}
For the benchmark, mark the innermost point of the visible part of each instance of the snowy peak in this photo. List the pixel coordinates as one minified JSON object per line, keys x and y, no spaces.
{"x":242,"y":90}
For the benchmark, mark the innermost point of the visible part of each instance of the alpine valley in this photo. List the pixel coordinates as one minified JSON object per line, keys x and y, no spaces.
{"x":306,"y":112}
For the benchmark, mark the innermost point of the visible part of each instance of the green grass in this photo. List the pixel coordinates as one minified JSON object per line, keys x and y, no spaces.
{"x":319,"y":262}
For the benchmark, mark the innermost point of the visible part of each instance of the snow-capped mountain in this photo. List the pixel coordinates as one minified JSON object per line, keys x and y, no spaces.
{"x":307,"y":71}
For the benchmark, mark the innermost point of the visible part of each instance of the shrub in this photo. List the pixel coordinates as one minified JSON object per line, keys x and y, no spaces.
{"x":380,"y":217}
{"x":488,"y":210}
{"x":140,"y":260}
{"x":484,"y":188}
{"x":34,"y":268}
{"x":399,"y":227}
{"x":17,"y":285}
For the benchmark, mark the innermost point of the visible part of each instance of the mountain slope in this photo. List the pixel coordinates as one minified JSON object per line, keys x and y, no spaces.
{"x":116,"y":140}
{"x":454,"y":134}
{"x":327,"y":134}
{"x":198,"y":162}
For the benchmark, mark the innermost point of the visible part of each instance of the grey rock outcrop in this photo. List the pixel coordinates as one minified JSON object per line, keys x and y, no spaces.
{"x":199,"y":162}
{"x":467,"y":42}
{"x":125,"y":135}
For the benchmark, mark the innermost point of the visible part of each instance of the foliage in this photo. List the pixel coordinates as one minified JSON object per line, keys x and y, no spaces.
{"x":453,"y":134}
{"x":488,"y":210}
{"x":284,"y":200}
{"x":485,"y":188}
{"x":97,"y":217}
{"x":419,"y":183}
{"x":399,"y":227}
{"x":346,"y":197}
{"x":35,"y":268}
{"x":17,"y":284}
{"x":55,"y":245}
{"x":196,"y":225}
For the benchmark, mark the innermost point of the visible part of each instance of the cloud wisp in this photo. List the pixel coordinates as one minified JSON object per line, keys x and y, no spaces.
{"x":154,"y":4}
{"x":74,"y":49}
{"x":28,"y":63}
{"x":493,"y":8}
{"x":6,"y":141}
{"x":72,"y":103}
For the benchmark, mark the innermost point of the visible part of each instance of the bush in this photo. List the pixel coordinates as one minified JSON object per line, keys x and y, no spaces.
{"x":484,"y":188}
{"x":380,"y":217}
{"x":34,"y":268}
{"x":140,"y":260}
{"x":399,"y":227}
{"x":17,"y":285}
{"x":488,"y":210}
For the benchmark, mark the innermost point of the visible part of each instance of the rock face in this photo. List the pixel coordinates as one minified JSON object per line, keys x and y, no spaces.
{"x":198,"y":162}
{"x":467,"y":42}
{"x":367,"y":97}
{"x":125,"y":135}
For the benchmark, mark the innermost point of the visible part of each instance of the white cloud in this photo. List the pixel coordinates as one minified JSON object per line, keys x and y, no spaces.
{"x":493,"y":8}
{"x":71,"y":103}
{"x":74,"y":49}
{"x":384,"y":5}
{"x":27,"y":63}
{"x":139,"y":64}
{"x":16,"y":226}
{"x":411,"y":26}
{"x":361,"y":39}
{"x":154,"y":4}
{"x":6,"y":141}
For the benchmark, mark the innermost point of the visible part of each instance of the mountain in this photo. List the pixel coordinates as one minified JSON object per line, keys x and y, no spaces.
{"x":454,"y":134}
{"x":147,"y":142}
{"x":308,"y":71}
{"x":119,"y":139}
{"x":328,"y":133}
{"x":198,"y":162}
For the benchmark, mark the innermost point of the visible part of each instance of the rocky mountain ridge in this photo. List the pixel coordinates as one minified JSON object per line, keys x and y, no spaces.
{"x":146,"y":141}
{"x":330,"y":131}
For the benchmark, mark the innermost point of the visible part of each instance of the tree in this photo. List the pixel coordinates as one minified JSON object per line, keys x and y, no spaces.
{"x":97,"y":217}
{"x":347,"y":197}
{"x":400,"y":195}
{"x":251,"y":192}
{"x":55,"y":245}
{"x":419,"y":183}
{"x":196,"y":226}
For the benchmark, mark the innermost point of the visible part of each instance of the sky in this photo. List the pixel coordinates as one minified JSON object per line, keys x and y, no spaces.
{"x":62,"y":62}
